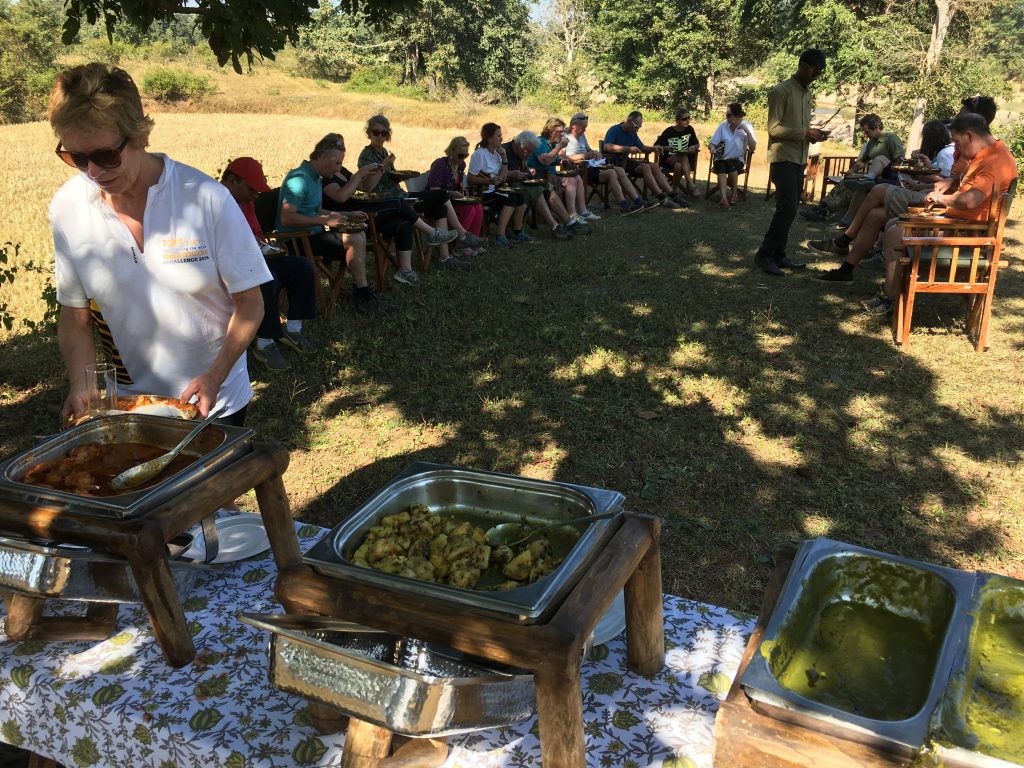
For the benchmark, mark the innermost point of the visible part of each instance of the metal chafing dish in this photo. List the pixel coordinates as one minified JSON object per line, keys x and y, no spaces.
{"x":68,"y":572}
{"x":861,"y":644}
{"x":486,"y":499}
{"x":214,"y":447}
{"x":402,"y":684}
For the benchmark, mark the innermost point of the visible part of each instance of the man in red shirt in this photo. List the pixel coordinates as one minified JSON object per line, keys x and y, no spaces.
{"x":244,"y":179}
{"x":990,"y":166}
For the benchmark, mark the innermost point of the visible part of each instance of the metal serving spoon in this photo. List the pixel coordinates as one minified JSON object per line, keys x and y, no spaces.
{"x":507,"y":534}
{"x":140,"y":473}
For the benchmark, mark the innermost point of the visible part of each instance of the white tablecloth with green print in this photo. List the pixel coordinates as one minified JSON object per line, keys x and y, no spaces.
{"x":117,"y":703}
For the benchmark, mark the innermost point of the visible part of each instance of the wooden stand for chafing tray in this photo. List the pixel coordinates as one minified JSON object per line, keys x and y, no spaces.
{"x":142,"y":541}
{"x":746,"y":738}
{"x":552,"y":650}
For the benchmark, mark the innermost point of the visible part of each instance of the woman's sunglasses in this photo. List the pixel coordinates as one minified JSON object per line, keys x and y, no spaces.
{"x":378,"y":132}
{"x":462,"y":157}
{"x":103,"y":158}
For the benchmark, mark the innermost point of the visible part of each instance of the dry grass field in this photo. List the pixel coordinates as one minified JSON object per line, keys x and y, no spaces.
{"x":745,"y":411}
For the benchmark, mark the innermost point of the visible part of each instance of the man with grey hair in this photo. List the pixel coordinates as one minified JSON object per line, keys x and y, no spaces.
{"x":532,"y":189}
{"x":578,"y":150}
{"x":623,"y":138}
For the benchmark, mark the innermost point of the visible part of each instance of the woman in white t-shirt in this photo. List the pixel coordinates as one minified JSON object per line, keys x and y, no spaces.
{"x":488,"y":169}
{"x":177,"y":301}
{"x":729,"y":148}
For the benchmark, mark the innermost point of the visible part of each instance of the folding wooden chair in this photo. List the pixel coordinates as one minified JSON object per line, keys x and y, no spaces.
{"x":948,"y":255}
{"x":710,"y":190}
{"x":298,"y":244}
{"x":621,"y":159}
{"x":384,"y":251}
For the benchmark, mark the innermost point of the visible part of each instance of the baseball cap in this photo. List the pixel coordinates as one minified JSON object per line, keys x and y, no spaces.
{"x":579,"y":117}
{"x":249,"y":169}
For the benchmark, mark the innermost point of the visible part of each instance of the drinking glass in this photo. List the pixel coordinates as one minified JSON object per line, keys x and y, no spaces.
{"x":101,"y":379}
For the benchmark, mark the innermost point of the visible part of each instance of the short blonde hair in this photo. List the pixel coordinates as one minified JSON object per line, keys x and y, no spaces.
{"x":550,"y":125}
{"x":98,"y":97}
{"x":459,"y":142}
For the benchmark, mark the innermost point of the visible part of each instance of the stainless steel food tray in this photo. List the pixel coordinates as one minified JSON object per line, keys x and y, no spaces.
{"x":903,"y":736}
{"x":487,"y":498}
{"x":214,"y":447}
{"x":76,"y":573}
{"x":402,"y":684}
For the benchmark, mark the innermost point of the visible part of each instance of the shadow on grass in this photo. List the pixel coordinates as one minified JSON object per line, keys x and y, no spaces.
{"x":746,"y":411}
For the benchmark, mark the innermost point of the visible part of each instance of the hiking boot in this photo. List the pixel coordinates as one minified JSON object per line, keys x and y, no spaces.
{"x":501,"y":241}
{"x":814,"y":214}
{"x":441,"y":236}
{"x":407,"y":277}
{"x":271,"y":357}
{"x":294,"y":340}
{"x":453,"y":263}
{"x":828,"y":246}
{"x":562,"y":232}
{"x":878,"y":305}
{"x":834,"y":276}
{"x":522,"y":237}
{"x":589,"y":216}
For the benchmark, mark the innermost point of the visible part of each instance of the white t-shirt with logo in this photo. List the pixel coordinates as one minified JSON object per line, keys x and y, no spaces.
{"x":167,"y":306}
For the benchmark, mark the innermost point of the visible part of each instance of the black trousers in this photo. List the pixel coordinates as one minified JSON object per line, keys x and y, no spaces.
{"x":788,"y":179}
{"x":296,"y":276}
{"x":328,"y":246}
{"x":432,"y":204}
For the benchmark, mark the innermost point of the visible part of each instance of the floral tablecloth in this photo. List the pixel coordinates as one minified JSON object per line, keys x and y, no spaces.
{"x":117,"y":703}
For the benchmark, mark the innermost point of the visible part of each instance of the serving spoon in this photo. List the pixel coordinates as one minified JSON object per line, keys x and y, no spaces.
{"x":507,"y":534}
{"x":140,"y":473}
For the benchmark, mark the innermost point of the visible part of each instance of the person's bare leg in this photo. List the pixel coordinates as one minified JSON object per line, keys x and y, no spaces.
{"x":405,"y":261}
{"x":558,"y":209}
{"x":868,"y":234}
{"x":855,"y":203}
{"x":648,"y":175}
{"x":545,"y":212}
{"x":893,"y":269}
{"x":660,"y":180}
{"x":625,"y":183}
{"x":684,"y":164}
{"x":581,"y":195}
{"x":443,"y":247}
{"x":875,"y":199}
{"x":723,"y":186}
{"x":612,"y":179}
{"x":504,"y":217}
{"x":355,"y":257}
{"x":518,"y":215}
{"x":734,"y":185}
{"x":568,"y":196}
{"x":453,"y":219}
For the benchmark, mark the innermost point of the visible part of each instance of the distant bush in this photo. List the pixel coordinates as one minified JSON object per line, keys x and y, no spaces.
{"x":1013,"y":135}
{"x":382,"y":79}
{"x":167,"y":84}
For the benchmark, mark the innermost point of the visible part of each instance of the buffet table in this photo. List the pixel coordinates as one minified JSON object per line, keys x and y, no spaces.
{"x":118,"y":702}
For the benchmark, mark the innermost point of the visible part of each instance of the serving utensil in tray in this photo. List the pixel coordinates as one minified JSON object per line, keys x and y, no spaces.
{"x":405,"y":685}
{"x":215,"y":447}
{"x":486,"y":499}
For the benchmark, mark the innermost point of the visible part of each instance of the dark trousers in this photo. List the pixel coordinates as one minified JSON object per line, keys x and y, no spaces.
{"x":788,"y":179}
{"x":432,"y":204}
{"x":297,"y":278}
{"x":327,"y":245}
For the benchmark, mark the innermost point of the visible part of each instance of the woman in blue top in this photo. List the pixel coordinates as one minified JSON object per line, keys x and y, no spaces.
{"x":546,"y":157}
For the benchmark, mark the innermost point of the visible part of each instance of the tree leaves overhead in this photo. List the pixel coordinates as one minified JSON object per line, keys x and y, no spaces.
{"x":235,"y":29}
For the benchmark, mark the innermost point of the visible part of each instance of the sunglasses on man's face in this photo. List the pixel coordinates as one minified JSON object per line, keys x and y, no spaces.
{"x":102,"y":158}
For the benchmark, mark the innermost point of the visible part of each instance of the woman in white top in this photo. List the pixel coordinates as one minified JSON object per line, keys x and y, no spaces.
{"x":155,"y":255}
{"x":488,"y":168}
{"x":729,"y":148}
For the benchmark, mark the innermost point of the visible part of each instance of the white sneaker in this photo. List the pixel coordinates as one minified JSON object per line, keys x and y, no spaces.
{"x":407,"y":277}
{"x":589,"y":216}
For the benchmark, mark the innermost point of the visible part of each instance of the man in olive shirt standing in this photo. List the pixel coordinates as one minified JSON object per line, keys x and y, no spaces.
{"x":789,"y":133}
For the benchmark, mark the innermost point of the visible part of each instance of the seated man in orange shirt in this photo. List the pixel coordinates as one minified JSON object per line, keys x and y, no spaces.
{"x":990,"y":167}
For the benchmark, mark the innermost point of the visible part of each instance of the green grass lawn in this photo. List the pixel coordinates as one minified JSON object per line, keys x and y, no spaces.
{"x":746,"y":411}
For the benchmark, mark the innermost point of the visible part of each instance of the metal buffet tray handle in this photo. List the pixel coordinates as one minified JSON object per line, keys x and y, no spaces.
{"x":218,"y":445}
{"x":68,"y":572}
{"x":402,"y":684}
{"x":487,"y":498}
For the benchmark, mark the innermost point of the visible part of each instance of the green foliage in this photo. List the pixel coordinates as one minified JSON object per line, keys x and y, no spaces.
{"x":1003,"y":39}
{"x":170,"y":84}
{"x":335,"y":44}
{"x":7,"y":273}
{"x":29,"y":48}
{"x":1013,"y":135}
{"x":383,"y":78}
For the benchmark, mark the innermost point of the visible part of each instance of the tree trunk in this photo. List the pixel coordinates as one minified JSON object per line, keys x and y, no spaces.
{"x":943,"y":15}
{"x":709,"y":96}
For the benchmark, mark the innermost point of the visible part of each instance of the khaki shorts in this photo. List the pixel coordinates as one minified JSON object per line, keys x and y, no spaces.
{"x":898,"y":199}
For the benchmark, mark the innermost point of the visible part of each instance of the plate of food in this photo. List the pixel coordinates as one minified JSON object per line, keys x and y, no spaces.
{"x":503,"y":188}
{"x":533,"y":182}
{"x":154,"y":405}
{"x":401,"y":175}
{"x":566,"y":172}
{"x":466,"y":200}
{"x":349,"y":227}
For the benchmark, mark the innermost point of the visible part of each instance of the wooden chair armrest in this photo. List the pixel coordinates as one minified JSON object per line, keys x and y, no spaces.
{"x":948,"y":222}
{"x":279,"y":235}
{"x":950,"y":241}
